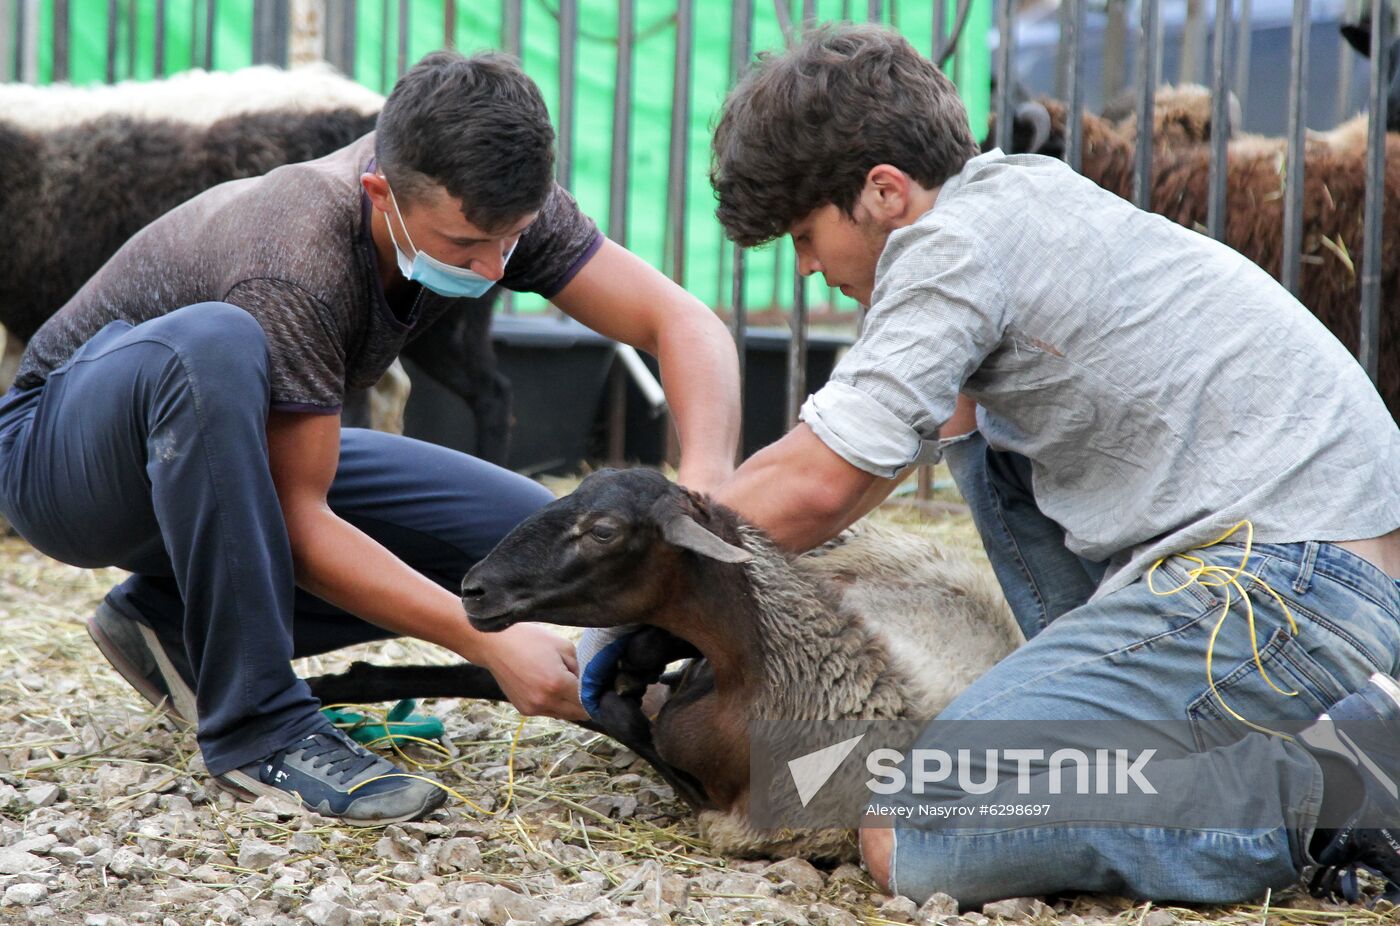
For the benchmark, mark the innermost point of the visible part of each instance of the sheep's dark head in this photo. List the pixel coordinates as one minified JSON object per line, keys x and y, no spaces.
{"x":605,"y":555}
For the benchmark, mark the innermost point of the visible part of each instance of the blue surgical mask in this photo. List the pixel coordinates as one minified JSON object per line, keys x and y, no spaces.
{"x":443,"y":279}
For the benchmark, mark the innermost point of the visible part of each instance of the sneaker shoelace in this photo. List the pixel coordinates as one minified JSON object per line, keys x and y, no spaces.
{"x":342,"y":759}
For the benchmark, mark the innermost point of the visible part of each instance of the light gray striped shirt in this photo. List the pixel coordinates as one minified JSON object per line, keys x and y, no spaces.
{"x":1163,"y":386}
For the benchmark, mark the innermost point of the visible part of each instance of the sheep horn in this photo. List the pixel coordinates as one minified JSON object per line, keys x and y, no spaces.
{"x":1037,"y":117}
{"x":683,"y":531}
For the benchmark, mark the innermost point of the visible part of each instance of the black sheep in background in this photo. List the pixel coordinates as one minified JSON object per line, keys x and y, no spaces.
{"x":76,"y":191}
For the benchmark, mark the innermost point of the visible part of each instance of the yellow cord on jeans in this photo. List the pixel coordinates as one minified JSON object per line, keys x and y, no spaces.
{"x":1208,"y":575}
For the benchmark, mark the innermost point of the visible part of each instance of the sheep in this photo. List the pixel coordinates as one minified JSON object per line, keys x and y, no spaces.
{"x":875,"y":625}
{"x":1333,"y":198}
{"x":89,"y":167}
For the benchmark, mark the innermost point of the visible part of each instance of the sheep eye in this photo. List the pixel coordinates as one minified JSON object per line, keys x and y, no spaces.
{"x":603,"y":532}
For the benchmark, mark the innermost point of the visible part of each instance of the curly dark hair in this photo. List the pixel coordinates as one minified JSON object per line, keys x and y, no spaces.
{"x":805,"y":126}
{"x":476,"y":126}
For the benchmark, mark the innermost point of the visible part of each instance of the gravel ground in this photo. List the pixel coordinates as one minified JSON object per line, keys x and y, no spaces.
{"x":106,"y":817}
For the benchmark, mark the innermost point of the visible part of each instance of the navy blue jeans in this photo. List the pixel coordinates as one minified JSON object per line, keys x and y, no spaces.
{"x":147,"y":450}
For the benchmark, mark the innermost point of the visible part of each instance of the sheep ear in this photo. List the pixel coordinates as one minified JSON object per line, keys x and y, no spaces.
{"x":683,"y":531}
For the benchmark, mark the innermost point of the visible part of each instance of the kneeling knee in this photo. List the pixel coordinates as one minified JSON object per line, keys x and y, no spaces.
{"x":877,"y":850}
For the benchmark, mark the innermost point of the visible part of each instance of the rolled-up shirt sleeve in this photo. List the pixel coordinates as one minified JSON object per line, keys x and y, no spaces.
{"x":863,"y":432}
{"x":939,"y":309}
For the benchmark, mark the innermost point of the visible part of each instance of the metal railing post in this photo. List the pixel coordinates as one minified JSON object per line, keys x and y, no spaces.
{"x":1003,"y":72}
{"x":1219,"y":123}
{"x":1371,"y":270}
{"x":1147,"y":88}
{"x":1290,"y":271}
{"x":1075,"y":150}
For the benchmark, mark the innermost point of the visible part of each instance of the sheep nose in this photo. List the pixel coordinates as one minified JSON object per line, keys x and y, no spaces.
{"x":472,"y":590}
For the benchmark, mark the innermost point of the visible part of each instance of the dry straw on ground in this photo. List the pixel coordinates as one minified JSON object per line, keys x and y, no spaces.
{"x":106,"y":817}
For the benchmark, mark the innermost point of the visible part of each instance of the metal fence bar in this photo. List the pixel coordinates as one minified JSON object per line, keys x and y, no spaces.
{"x":1147,"y":87}
{"x":1243,"y":39}
{"x":797,"y":346}
{"x":1114,"y":49}
{"x":1192,"y":42}
{"x":1219,"y":122}
{"x":158,"y":50}
{"x":622,"y":123}
{"x":26,"y":48}
{"x":1290,"y":271}
{"x":940,"y":31}
{"x":211,"y":19}
{"x":449,"y":24}
{"x":60,"y":41}
{"x":340,"y":36}
{"x":264,"y":15}
{"x":740,"y":48}
{"x":282,"y":33}
{"x":113,"y":26}
{"x":679,"y":166}
{"x":131,"y":38}
{"x":568,"y":77}
{"x":1369,"y":353}
{"x":512,"y":18}
{"x":1003,"y":74}
{"x":402,"y":60}
{"x":1075,"y":152}
{"x":9,"y":41}
{"x":874,"y":10}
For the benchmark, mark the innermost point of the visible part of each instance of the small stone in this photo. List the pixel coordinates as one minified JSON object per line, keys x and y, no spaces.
{"x":976,"y":919}
{"x":1159,"y":918}
{"x":17,"y":861}
{"x":565,"y":913}
{"x":824,"y":914}
{"x":208,"y":874}
{"x":305,"y":843}
{"x":123,"y":862}
{"x":42,"y":795}
{"x":25,"y":895}
{"x":103,"y":919}
{"x":899,"y":909}
{"x":257,"y":854}
{"x":799,"y":871}
{"x":67,"y":855}
{"x":36,"y":844}
{"x":935,"y":909}
{"x":847,"y":873}
{"x":322,"y":913}
{"x":424,"y":894}
{"x":1015,"y":908}
{"x":460,"y":854}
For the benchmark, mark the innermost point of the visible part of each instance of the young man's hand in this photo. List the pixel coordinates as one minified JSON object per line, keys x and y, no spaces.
{"x":537,"y":670}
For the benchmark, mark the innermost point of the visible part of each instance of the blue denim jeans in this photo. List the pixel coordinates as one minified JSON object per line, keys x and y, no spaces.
{"x":148,"y":451}
{"x":1141,"y":656}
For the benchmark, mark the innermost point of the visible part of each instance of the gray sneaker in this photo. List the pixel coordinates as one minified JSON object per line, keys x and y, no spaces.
{"x":160,"y":672}
{"x":337,"y":777}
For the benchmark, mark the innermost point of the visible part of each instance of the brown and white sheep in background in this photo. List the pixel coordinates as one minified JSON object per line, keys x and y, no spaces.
{"x":1333,"y":211}
{"x":88,"y":167}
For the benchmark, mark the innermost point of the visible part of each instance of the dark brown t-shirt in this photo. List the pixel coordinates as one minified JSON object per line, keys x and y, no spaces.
{"x":293,"y":249}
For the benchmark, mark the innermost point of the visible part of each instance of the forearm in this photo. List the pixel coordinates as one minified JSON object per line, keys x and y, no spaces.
{"x":344,"y":566}
{"x":700,"y":372}
{"x":800,"y":492}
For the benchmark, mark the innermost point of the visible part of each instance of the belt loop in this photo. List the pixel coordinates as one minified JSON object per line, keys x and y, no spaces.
{"x":1305,"y":570}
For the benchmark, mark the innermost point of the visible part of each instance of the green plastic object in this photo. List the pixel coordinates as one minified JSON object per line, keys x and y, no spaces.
{"x":400,"y":724}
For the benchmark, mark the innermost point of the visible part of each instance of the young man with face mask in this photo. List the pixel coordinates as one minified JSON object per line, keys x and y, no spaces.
{"x":179,"y":418}
{"x":1156,"y":419}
